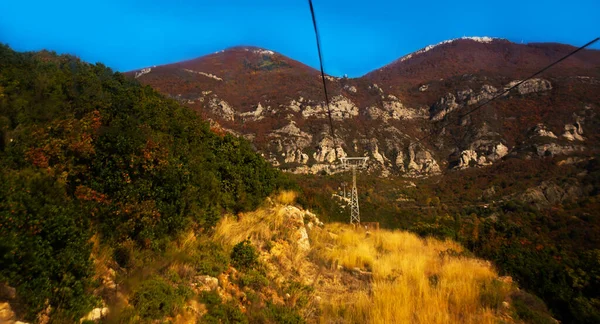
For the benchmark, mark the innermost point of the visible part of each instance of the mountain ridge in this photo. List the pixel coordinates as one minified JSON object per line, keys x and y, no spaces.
{"x":278,"y":104}
{"x":481,"y":39}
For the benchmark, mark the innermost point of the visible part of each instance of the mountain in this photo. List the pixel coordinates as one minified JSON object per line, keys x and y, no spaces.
{"x":517,"y":181}
{"x":118,"y":205}
{"x":278,"y":104}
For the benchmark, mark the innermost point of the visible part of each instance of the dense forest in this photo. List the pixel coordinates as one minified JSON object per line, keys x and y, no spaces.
{"x":552,"y":251}
{"x":86,"y":152}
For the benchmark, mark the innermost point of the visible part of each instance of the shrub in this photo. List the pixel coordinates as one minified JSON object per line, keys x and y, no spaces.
{"x":283,"y":315}
{"x":253,"y":279}
{"x":530,"y":308}
{"x":210,"y":259}
{"x":244,"y":255}
{"x":156,"y":298}
{"x":219,"y":313}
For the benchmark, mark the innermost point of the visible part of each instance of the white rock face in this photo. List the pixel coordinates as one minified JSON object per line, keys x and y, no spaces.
{"x":300,"y":138}
{"x":573,"y":132}
{"x":396,"y":110}
{"x":375,"y":87}
{"x":341,"y":108}
{"x":256,"y":114}
{"x":499,"y":152}
{"x":467,"y":157}
{"x":96,"y":314}
{"x":296,"y":156}
{"x":375,"y":113}
{"x":531,"y":86}
{"x":484,"y":39}
{"x":295,"y":106}
{"x":326,"y":151}
{"x":222,"y":109}
{"x":444,"y":106}
{"x":483,"y":152}
{"x":300,"y":222}
{"x":142,"y":72}
{"x":376,"y":155}
{"x":487,"y":92}
{"x":418,"y":163}
{"x":263,"y":52}
{"x":541,"y":130}
{"x":350,"y":88}
{"x":553,"y":149}
{"x":208,"y":75}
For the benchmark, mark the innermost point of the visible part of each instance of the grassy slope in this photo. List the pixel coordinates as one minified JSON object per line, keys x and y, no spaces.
{"x":552,"y":251}
{"x":379,"y":277}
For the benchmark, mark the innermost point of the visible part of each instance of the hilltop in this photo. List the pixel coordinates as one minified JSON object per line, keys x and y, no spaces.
{"x":88,"y":155}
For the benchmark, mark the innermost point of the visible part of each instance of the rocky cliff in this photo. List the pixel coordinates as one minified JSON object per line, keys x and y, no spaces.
{"x":407,"y":116}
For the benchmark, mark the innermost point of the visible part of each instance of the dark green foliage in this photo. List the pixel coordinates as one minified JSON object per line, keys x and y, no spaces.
{"x":124,"y":256}
{"x":253,"y":279}
{"x":210,"y":259}
{"x":282,"y":314}
{"x":219,"y":312}
{"x":244,"y":255}
{"x":156,"y":298}
{"x":530,"y":309}
{"x":84,"y":150}
{"x":44,"y":249}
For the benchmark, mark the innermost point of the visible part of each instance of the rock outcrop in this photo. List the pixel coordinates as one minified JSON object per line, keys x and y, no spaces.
{"x":548,"y":193}
{"x":340,"y":106}
{"x":573,"y":132}
{"x":328,"y":151}
{"x":222,"y":109}
{"x":531,"y":86}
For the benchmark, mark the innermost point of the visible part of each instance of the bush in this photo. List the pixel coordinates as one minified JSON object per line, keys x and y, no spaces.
{"x":156,"y":298}
{"x":244,"y":255}
{"x":530,"y":308}
{"x":283,"y":315}
{"x":253,"y":279}
{"x":210,"y":259}
{"x":219,"y":313}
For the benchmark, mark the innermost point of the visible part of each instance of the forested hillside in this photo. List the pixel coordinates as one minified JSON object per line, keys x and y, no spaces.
{"x":86,"y":152}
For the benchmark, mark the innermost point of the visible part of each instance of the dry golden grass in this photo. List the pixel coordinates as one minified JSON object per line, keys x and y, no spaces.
{"x":259,"y":225}
{"x":413,"y":280}
{"x":286,"y":197}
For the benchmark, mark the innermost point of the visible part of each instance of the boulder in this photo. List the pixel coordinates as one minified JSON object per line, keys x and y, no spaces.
{"x":96,"y":314}
{"x":573,"y":132}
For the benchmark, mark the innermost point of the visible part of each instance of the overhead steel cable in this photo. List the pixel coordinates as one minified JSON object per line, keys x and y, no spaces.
{"x":509,"y":89}
{"x":314,"y":20}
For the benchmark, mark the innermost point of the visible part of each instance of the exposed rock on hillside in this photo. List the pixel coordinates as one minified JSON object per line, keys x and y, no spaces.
{"x":531,"y":86}
{"x":548,"y":194}
{"x":340,"y":106}
{"x":262,"y":93}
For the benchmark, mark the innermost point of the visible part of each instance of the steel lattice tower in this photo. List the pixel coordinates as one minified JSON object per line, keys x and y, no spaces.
{"x":354,"y":163}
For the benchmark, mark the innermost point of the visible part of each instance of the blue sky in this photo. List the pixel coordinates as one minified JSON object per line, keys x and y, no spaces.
{"x":357,"y":36}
